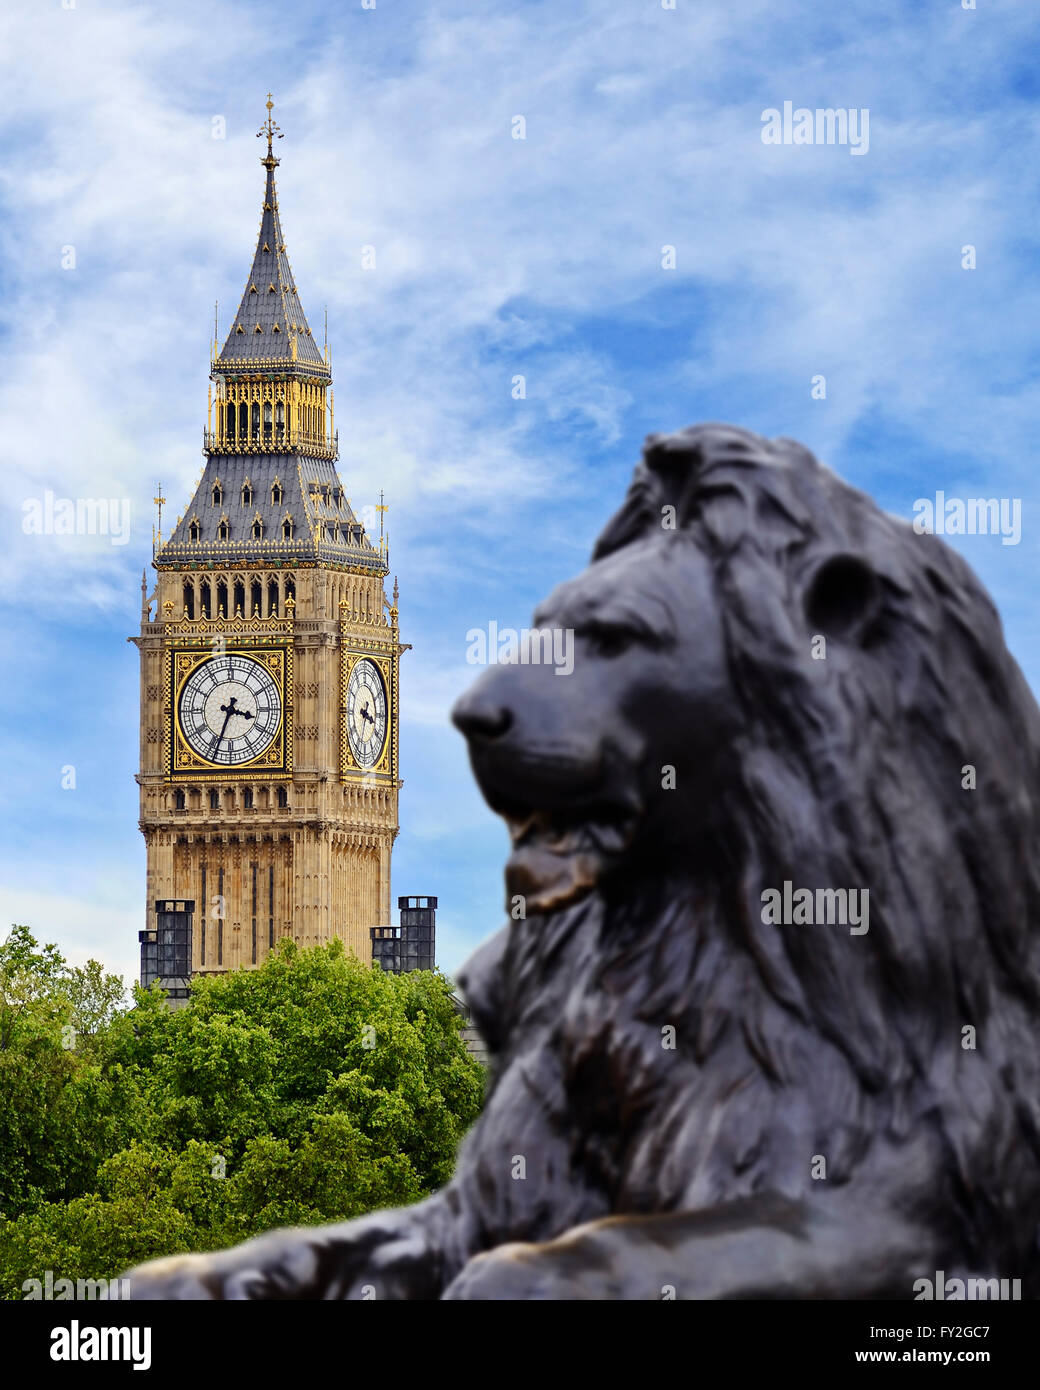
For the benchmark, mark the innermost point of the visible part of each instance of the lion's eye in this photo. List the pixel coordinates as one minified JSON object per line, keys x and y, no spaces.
{"x":606,"y":639}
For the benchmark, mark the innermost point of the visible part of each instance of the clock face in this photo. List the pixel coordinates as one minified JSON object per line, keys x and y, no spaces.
{"x":230,"y":709}
{"x":366,"y":713}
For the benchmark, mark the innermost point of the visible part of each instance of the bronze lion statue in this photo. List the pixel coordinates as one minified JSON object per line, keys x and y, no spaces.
{"x":774,"y":683}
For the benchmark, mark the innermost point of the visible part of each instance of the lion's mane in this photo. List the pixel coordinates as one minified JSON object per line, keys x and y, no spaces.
{"x":802,"y":1040}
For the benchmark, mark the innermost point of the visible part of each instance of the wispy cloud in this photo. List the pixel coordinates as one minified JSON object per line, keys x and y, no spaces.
{"x":496,"y":258}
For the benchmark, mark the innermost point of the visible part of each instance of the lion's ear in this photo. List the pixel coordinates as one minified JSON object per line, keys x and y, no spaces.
{"x":843,"y":598}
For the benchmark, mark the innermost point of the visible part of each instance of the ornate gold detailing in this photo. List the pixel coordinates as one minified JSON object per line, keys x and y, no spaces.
{"x":159,"y":500}
{"x":238,"y":628}
{"x":255,"y":365}
{"x":271,"y":129}
{"x":180,"y":663}
{"x":250,"y":554}
{"x":213,"y":443}
{"x":384,"y":656}
{"x":274,"y":410}
{"x":384,"y":541}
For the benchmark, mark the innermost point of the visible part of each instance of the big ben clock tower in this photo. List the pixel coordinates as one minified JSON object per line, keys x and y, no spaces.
{"x":269,"y":668}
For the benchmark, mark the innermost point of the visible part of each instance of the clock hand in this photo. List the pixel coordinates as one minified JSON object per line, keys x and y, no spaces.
{"x":228,"y":710}
{"x":230,"y":707}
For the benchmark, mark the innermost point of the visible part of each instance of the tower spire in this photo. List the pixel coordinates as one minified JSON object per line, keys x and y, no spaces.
{"x":270,"y":326}
{"x":270,"y":128}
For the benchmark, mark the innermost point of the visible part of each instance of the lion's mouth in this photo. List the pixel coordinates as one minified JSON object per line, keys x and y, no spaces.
{"x":558,"y":857}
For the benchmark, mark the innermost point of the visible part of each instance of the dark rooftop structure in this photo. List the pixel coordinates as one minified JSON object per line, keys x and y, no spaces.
{"x":413,"y":944}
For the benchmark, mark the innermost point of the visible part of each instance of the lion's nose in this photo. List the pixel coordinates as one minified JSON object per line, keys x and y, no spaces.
{"x":479,"y":718}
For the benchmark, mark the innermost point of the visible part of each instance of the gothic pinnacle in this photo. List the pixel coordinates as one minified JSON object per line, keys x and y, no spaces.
{"x":271,"y":129}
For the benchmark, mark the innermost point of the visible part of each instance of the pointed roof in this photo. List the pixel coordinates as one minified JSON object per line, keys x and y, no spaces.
{"x":270,"y":319}
{"x":308,"y":493}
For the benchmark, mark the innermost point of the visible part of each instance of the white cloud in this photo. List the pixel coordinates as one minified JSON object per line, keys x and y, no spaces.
{"x":84,"y":929}
{"x":495,"y":257}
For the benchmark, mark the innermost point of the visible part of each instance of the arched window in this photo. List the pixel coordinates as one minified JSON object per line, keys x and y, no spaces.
{"x":240,"y":598}
{"x":272,"y":598}
{"x":279,"y":419}
{"x":205,"y":602}
{"x":218,"y":494}
{"x":276,"y":493}
{"x":189,"y":601}
{"x":258,"y":529}
{"x":223,"y":532}
{"x":283,"y":797}
{"x":267,"y":419}
{"x":229,"y":416}
{"x":256,"y":598}
{"x":287,"y":529}
{"x":243,"y":421}
{"x":214,"y":801}
{"x":256,"y":421}
{"x":222,"y":608}
{"x":290,"y":590}
{"x":193,"y":532}
{"x":247,"y":798}
{"x":178,"y":800}
{"x":247,"y":493}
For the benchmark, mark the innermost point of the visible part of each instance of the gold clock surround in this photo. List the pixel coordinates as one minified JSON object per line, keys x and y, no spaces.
{"x":381,"y":656}
{"x":181,"y":663}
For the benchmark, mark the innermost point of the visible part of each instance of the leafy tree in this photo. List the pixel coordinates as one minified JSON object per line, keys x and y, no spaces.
{"x":311,"y":1089}
{"x":56,"y":1111}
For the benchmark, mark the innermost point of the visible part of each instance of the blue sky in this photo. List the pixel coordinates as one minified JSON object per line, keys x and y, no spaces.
{"x":494,"y":257}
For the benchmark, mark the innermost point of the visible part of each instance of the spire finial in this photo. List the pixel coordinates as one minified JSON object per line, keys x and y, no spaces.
{"x":381,"y":509}
{"x":271,"y":129}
